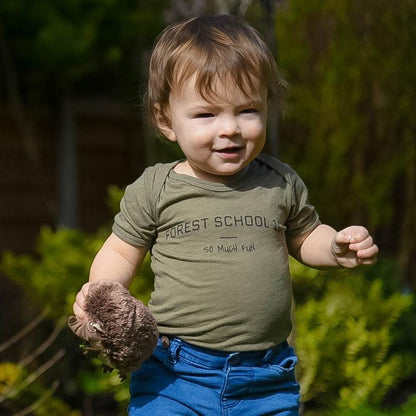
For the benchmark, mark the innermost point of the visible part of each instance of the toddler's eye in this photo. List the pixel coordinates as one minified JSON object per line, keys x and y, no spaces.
{"x":204,"y":115}
{"x":249,"y":111}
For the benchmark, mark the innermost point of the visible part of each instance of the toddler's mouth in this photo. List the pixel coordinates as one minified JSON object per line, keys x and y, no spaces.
{"x":230,"y":153}
{"x":230,"y":150}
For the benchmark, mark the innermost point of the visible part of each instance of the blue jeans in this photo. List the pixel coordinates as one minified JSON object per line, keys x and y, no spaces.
{"x":181,"y":379}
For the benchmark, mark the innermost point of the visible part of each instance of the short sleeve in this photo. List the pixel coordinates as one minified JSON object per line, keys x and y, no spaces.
{"x":135,"y":223}
{"x":303,"y":217}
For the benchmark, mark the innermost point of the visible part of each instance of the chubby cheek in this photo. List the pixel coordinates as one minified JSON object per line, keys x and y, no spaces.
{"x":198,"y":145}
{"x":256,"y":135}
{"x":198,"y":138}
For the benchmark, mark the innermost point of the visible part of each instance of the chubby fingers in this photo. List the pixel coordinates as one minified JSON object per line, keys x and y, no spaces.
{"x":366,"y":250}
{"x":79,"y":305}
{"x":78,"y":311}
{"x":353,"y":234}
{"x":359,"y":240}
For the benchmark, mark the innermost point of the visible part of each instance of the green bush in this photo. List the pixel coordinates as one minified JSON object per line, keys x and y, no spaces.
{"x":61,"y":266}
{"x":19,"y":389}
{"x":344,"y":334}
{"x":408,"y":409}
{"x":52,"y":277}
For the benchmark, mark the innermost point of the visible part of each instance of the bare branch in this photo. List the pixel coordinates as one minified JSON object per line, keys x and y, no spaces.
{"x":12,"y":392}
{"x":28,"y":328}
{"x":45,"y":345}
{"x":40,"y":402}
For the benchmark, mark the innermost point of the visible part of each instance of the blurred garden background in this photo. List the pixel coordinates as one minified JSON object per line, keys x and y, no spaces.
{"x":73,"y":134}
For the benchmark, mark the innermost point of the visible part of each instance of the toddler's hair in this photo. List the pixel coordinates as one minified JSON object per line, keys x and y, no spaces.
{"x":218,"y":47}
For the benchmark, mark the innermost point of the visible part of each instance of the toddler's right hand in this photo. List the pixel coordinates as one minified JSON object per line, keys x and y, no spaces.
{"x":79,"y":304}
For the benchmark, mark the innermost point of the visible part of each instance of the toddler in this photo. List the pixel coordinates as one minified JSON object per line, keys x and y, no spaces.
{"x":219,"y":226}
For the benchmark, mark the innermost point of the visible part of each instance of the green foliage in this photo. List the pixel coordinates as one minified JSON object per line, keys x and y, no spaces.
{"x":56,"y":407}
{"x":10,"y":375}
{"x":16,"y":394}
{"x":59,"y":269}
{"x":408,"y":409}
{"x":78,"y":44}
{"x":349,"y":65}
{"x":51,"y":279}
{"x":61,"y":266}
{"x":94,"y":382}
{"x":115,"y":194}
{"x":344,"y":336}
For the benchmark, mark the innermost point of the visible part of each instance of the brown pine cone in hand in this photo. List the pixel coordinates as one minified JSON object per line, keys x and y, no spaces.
{"x":118,"y":328}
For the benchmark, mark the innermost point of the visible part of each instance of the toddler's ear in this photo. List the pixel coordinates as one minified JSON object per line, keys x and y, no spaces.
{"x":163,"y":122}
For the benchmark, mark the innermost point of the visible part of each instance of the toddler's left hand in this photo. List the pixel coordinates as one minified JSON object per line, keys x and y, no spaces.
{"x":354,"y":246}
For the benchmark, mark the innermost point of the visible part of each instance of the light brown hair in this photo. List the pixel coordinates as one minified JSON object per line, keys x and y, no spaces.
{"x":217,"y":47}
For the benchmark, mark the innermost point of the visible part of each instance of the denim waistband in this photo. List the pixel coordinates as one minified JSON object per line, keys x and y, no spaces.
{"x":217,"y":359}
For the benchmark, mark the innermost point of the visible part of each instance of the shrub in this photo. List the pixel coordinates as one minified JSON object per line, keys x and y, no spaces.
{"x":52,"y":277}
{"x":408,"y":409}
{"x":344,"y":336}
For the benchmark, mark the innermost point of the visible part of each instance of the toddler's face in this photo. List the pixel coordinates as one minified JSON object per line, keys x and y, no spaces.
{"x":218,"y":137}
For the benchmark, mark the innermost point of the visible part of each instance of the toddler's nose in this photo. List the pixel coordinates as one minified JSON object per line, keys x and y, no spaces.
{"x":229,"y":126}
